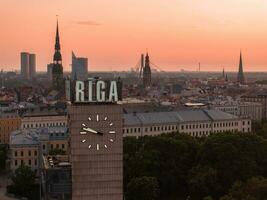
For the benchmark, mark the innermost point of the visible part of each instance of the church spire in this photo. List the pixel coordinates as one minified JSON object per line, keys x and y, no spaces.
{"x":57,"y":45}
{"x":57,"y":70}
{"x":240,"y":76}
{"x":57,"y":54}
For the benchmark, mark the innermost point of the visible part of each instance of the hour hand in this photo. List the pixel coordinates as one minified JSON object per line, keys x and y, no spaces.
{"x":92,"y":131}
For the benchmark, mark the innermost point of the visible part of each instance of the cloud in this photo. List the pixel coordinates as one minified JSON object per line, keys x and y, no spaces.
{"x":88,"y":23}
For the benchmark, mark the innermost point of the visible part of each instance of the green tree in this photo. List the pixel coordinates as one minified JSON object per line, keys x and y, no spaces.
{"x":253,"y":189}
{"x":3,"y":157}
{"x":23,"y":181}
{"x":167,"y":157}
{"x":145,"y":188}
{"x":203,"y":181}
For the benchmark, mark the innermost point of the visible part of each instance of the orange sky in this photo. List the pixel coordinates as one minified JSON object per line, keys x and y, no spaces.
{"x":112,"y":33}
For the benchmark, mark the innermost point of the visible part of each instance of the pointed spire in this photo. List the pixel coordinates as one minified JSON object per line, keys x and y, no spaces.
{"x":57,"y":45}
{"x":57,"y":54}
{"x":240,"y":76}
{"x":223,"y":73}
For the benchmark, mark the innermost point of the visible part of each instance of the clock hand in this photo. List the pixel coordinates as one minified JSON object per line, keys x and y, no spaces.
{"x":89,"y":130}
{"x":92,"y":131}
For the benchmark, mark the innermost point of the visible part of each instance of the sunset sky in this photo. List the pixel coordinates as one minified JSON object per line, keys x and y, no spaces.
{"x":113,"y":33}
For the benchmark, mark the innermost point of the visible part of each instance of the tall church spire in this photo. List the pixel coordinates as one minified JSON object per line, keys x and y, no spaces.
{"x":57,"y":70}
{"x":147,"y":72}
{"x":240,"y":76}
{"x":57,"y":45}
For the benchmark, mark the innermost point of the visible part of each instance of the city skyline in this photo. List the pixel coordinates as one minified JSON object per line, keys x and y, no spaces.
{"x":112,"y":36}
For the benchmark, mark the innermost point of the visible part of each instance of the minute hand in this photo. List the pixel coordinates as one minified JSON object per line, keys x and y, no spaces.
{"x":92,"y":131}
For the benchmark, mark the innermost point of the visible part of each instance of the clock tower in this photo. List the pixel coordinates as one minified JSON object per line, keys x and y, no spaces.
{"x":96,"y":150}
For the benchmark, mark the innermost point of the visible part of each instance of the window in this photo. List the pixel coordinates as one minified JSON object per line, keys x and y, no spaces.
{"x":35,"y":162}
{"x":29,"y":153}
{"x":53,"y":146}
{"x":63,"y":146}
{"x":21,"y":162}
{"x":21,"y":153}
{"x":43,"y":146}
{"x":29,"y":162}
{"x":16,"y":153}
{"x":35,"y":153}
{"x":16,"y":162}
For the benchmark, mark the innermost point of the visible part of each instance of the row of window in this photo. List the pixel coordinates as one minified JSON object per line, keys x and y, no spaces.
{"x":195,"y":126}
{"x":8,"y":128}
{"x":151,"y":129}
{"x":29,"y":162}
{"x":29,"y":153}
{"x":57,"y":146}
{"x":36,"y":125}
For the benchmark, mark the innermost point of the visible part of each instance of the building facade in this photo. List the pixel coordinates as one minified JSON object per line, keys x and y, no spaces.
{"x":44,"y":117}
{"x":24,"y":65}
{"x":96,"y":152}
{"x":8,"y":123}
{"x":27,"y":146}
{"x":79,"y":69}
{"x":28,"y":65}
{"x":197,"y":123}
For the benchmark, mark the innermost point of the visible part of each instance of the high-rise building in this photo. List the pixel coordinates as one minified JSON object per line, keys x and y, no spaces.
{"x":32,"y":65}
{"x":57,"y":71}
{"x":79,"y":68}
{"x":24,"y":65}
{"x":240,"y":75}
{"x":147,"y":73}
{"x":28,"y":65}
{"x":49,"y":71}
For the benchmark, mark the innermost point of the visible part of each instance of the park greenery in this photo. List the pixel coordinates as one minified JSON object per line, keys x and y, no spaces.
{"x":3,"y":157}
{"x":24,"y":184}
{"x":225,"y":166}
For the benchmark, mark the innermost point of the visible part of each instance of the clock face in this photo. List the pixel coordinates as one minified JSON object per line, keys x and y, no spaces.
{"x":104,"y":138}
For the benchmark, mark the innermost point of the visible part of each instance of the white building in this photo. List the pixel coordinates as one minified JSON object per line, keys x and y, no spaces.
{"x":252,"y":110}
{"x":196,"y":123}
{"x":39,"y":118}
{"x":79,"y":69}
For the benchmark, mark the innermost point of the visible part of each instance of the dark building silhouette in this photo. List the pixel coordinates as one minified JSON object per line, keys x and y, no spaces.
{"x":147,"y":72}
{"x":240,"y":75}
{"x":57,"y":70}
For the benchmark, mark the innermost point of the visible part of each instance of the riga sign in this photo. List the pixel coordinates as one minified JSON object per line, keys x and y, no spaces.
{"x":92,"y":91}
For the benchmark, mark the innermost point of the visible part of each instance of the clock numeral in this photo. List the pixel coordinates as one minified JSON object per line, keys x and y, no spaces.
{"x":83,"y":141}
{"x":89,"y":147}
{"x":83,"y":133}
{"x":112,"y":132}
{"x":97,"y":118}
{"x":111,"y":140}
{"x":83,"y":125}
{"x":89,"y":118}
{"x":105,"y":118}
{"x":111,"y":124}
{"x":106,"y":146}
{"x":97,"y":147}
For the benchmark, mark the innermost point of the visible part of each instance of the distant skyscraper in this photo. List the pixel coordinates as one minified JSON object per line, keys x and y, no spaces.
{"x":240,"y":75}
{"x":24,"y":65}
{"x":32,"y":65}
{"x":79,"y":68}
{"x":147,"y":72}
{"x":223,"y":74}
{"x":57,"y":71}
{"x":28,"y":65}
{"x":49,"y":71}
